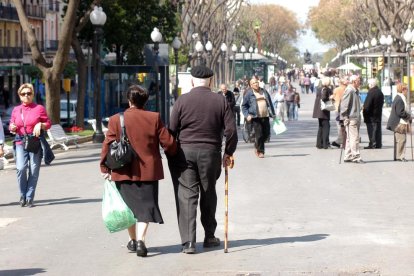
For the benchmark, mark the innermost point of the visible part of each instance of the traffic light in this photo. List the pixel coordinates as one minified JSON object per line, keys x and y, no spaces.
{"x":374,"y":72}
{"x":380,"y":63}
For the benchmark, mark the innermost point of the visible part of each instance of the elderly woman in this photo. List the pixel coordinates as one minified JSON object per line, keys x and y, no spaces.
{"x":27,"y":121}
{"x":138,"y":182}
{"x":323,"y":116}
{"x":399,"y":122}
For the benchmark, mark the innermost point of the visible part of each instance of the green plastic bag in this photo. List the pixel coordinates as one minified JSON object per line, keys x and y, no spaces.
{"x":115,"y":213}
{"x":278,"y":126}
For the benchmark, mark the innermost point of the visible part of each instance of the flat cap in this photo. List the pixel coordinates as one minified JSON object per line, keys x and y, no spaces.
{"x":201,"y":72}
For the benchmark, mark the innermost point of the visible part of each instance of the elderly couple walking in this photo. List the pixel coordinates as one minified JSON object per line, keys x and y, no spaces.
{"x":193,"y":146}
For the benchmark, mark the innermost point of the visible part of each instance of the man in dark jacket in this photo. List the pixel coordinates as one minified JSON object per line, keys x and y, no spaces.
{"x":199,"y":120}
{"x":228,"y":95}
{"x":372,"y":112}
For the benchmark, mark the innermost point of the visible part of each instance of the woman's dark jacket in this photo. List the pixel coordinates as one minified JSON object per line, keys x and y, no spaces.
{"x":322,"y":94}
{"x":397,"y":112}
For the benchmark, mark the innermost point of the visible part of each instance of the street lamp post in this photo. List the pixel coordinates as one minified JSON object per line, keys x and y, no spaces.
{"x":156,"y":37}
{"x":199,"y":48}
{"x":243,"y":50}
{"x":383,"y":42}
{"x":176,"y":45}
{"x":209,"y":47}
{"x":234,"y":50}
{"x":98,"y":19}
{"x":223,"y":49}
{"x":409,"y":39}
{"x":389,"y":43}
{"x":251,"y":59}
{"x":366,"y":45}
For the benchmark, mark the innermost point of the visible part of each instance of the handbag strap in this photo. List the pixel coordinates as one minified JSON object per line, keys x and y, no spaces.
{"x":24,"y":121}
{"x":122,"y":120}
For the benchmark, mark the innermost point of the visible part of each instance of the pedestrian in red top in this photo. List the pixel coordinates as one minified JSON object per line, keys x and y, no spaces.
{"x":27,"y":119}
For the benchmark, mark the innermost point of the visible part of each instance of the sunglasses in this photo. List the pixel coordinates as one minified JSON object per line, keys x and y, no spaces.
{"x":26,"y":94}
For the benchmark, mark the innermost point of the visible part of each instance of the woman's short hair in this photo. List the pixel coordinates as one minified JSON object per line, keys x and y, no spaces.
{"x":137,"y":95}
{"x":25,"y":85}
{"x":400,"y":87}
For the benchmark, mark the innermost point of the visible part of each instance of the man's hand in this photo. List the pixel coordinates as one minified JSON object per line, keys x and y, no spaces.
{"x":346,"y":122}
{"x":228,"y":161}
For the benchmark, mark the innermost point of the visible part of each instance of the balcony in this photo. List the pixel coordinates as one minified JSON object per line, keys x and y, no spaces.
{"x":51,"y":45}
{"x":11,"y":52}
{"x":35,"y":11}
{"x":9,"y":13}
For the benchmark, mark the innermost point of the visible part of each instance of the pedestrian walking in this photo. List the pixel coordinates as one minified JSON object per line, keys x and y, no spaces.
{"x":323,"y":116}
{"x":279,"y":104}
{"x":399,"y":122}
{"x":199,"y":120}
{"x":27,"y":122}
{"x":228,"y":95}
{"x":257,"y":107}
{"x":372,"y":112}
{"x":296,"y":105}
{"x":351,"y":115}
{"x":138,"y":182}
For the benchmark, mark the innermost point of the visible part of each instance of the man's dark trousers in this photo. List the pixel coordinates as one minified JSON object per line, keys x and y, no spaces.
{"x":374,"y":134}
{"x":262,"y":132}
{"x":199,"y":178}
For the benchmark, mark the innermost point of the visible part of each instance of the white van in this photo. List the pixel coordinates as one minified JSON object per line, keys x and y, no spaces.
{"x":64,"y":111}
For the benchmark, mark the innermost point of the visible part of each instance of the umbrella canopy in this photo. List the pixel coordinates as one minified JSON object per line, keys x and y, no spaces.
{"x":349,"y":66}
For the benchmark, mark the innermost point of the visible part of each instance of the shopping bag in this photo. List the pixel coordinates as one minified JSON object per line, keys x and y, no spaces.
{"x":278,"y":126}
{"x":115,"y":213}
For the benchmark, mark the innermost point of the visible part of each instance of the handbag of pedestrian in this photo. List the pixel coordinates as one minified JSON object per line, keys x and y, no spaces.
{"x":31,"y":143}
{"x":120,"y":152}
{"x":328,"y":105}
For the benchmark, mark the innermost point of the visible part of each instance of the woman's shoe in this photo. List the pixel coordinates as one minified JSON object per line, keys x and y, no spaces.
{"x":141,"y":249}
{"x":29,"y":203}
{"x":22,"y":201}
{"x":132,"y":245}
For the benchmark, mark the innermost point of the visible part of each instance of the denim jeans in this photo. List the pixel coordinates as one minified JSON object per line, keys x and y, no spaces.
{"x":27,"y":166}
{"x":295,"y":112}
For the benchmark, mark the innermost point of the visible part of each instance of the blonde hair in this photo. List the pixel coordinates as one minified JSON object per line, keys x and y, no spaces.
{"x":400,"y":87}
{"x":25,"y":85}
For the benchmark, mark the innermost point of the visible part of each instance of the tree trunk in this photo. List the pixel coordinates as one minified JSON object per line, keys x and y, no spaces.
{"x":82,"y":81}
{"x":53,"y":85}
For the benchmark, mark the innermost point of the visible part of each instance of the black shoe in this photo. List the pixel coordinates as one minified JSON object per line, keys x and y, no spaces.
{"x":29,"y":203}
{"x":369,"y":147}
{"x":132,"y":245}
{"x":347,"y":161}
{"x":189,"y":248}
{"x":141,"y":249}
{"x":335,"y":144}
{"x":22,"y":201}
{"x":211,"y":242}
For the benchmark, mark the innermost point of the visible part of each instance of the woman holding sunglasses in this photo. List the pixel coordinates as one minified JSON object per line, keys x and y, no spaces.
{"x":27,"y":119}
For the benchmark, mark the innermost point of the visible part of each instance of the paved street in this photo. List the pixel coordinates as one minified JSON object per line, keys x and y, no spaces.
{"x":295,"y":212}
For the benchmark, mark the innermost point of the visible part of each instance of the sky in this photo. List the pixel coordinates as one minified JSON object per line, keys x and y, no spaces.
{"x":300,"y":7}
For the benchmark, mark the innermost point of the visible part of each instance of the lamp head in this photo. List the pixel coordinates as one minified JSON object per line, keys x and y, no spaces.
{"x":199,"y":47}
{"x":97,"y":16}
{"x":176,"y":44}
{"x":243,"y":49}
{"x":156,"y":36}
{"x":209,"y":46}
{"x":223,"y":47}
{"x":373,"y":42}
{"x":234,"y":48}
{"x":250,"y":49}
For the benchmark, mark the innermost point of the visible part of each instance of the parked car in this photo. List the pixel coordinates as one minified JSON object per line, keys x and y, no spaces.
{"x":5,"y":119}
{"x":64,"y":111}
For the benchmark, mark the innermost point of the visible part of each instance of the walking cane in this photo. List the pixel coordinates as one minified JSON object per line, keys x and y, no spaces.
{"x":411,"y":135}
{"x":343,"y":132}
{"x":226,"y":202}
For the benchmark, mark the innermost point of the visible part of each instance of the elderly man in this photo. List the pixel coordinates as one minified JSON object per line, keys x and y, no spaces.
{"x":337,"y":96}
{"x":350,"y":109}
{"x":198,"y":120}
{"x":257,"y":107}
{"x":228,"y":95}
{"x":372,"y":112}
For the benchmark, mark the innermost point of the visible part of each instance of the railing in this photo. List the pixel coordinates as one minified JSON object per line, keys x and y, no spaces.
{"x":52,"y":45}
{"x":11,"y":52}
{"x":8,"y":13}
{"x":35,"y":11}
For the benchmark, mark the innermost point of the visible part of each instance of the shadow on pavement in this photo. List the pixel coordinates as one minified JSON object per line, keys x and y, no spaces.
{"x":79,"y":161}
{"x":65,"y":200}
{"x":22,"y":272}
{"x":252,"y":243}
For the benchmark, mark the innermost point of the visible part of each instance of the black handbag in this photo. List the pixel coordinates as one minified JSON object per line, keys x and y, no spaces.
{"x":120,"y":152}
{"x":31,"y":143}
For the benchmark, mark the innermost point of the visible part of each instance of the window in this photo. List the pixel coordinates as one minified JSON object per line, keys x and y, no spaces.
{"x":8,"y":38}
{"x":16,"y":39}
